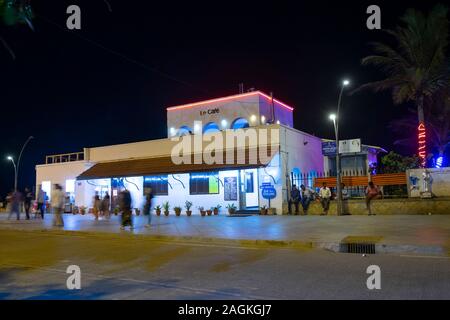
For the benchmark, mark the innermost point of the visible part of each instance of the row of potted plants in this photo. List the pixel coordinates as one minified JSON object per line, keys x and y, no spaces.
{"x":188,"y":205}
{"x":165,"y":207}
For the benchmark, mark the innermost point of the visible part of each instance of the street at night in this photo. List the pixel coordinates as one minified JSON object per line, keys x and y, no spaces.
{"x":203,"y":154}
{"x":35,"y":266}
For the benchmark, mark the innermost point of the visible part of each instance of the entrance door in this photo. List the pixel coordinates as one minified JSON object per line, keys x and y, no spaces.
{"x":249,"y":189}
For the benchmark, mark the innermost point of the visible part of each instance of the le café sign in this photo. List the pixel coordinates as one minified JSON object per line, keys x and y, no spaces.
{"x":209,"y":111}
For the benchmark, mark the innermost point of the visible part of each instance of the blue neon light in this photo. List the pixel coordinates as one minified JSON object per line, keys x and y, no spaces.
{"x":439,"y":162}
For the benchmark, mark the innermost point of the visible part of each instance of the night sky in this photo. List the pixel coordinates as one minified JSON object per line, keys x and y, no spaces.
{"x":111,"y":82}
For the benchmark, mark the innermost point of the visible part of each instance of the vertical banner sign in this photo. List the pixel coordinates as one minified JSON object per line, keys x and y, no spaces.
{"x":422,"y":143}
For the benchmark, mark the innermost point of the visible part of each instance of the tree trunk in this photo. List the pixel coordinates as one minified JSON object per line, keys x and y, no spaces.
{"x":420,"y":113}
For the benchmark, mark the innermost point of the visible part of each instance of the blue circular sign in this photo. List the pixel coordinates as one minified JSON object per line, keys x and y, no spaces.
{"x":269,"y":193}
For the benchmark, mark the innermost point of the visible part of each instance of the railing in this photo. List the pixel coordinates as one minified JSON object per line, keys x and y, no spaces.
{"x":66,"y":157}
{"x":355,"y":182}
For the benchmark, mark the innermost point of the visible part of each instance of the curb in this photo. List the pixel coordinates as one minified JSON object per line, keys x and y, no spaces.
{"x":334,"y":246}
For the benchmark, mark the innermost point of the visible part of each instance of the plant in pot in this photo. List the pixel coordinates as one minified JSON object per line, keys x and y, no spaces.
{"x":166,"y":208}
{"x":202,"y":211}
{"x":188,"y":205}
{"x":83,"y":210}
{"x":158,"y":210}
{"x":210,"y":211}
{"x":263,"y":210}
{"x":177,"y":211}
{"x":231,"y":208}
{"x":75,"y":210}
{"x":137,"y":211}
{"x":116,"y":210}
{"x":216,"y":209}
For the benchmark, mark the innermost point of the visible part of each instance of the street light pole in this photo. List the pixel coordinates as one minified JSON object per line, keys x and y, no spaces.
{"x":338,"y":160}
{"x":20,"y":156}
{"x":15,"y":172}
{"x":16,"y":167}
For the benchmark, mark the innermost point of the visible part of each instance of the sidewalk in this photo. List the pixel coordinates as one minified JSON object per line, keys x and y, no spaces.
{"x":406,"y":234}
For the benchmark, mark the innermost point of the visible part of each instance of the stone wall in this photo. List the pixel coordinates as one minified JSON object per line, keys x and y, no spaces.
{"x":388,"y":206}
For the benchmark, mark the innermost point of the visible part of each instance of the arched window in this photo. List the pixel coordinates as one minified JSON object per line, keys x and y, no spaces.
{"x":239,"y":123}
{"x":211,"y":127}
{"x":184,"y":130}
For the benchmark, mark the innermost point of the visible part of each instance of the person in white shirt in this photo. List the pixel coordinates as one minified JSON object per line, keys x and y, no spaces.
{"x":307,"y":195}
{"x":325,"y":196}
{"x":57,"y":202}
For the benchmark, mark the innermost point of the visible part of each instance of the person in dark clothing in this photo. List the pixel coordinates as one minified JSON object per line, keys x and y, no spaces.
{"x":41,"y":201}
{"x":27,"y":202}
{"x":294,"y":199}
{"x":125,"y":207}
{"x":148,"y":207}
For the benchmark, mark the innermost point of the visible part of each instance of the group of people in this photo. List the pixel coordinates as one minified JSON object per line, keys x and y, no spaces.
{"x":126,"y":208}
{"x":305,"y":195}
{"x":101,"y":206}
{"x":15,"y":199}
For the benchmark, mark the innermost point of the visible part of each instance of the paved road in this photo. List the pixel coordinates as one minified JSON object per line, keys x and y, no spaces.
{"x":33,"y":265}
{"x":409,"y":233}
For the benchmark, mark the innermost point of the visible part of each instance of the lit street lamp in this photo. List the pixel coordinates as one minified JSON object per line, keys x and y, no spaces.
{"x":16,"y":167}
{"x":335,"y":119}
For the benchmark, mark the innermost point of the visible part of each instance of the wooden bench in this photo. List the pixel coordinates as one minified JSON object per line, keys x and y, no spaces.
{"x":390,"y":179}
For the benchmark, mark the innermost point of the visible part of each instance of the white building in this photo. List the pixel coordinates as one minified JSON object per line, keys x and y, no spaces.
{"x":264,"y":122}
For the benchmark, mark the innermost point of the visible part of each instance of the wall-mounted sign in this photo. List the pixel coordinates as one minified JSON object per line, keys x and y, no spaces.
{"x":209,"y":111}
{"x":230,"y":189}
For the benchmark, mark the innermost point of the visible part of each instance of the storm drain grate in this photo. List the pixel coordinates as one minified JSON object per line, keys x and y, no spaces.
{"x":364,"y":248}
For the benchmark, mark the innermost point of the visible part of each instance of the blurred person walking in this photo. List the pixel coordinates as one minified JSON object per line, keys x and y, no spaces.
{"x":57,"y":202}
{"x":27,"y":202}
{"x":125,"y":207}
{"x":106,"y":202}
{"x":41,"y":201}
{"x":97,"y":206}
{"x":15,"y":199}
{"x":148,"y":207}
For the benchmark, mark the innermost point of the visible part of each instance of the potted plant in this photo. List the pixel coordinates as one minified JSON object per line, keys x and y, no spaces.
{"x":75,"y":210}
{"x":137,"y":211}
{"x":202,"y":211}
{"x":210,"y":211}
{"x":263,"y":210}
{"x":177,"y":211}
{"x":158,"y":210}
{"x":83,"y":210}
{"x":231,"y":208}
{"x":188,"y":205}
{"x":166,"y":208}
{"x":116,"y":210}
{"x":216,"y":209}
{"x":272,"y":211}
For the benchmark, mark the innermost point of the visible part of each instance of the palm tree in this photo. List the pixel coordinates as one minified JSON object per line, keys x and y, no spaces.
{"x":14,"y":12}
{"x":417,"y":68}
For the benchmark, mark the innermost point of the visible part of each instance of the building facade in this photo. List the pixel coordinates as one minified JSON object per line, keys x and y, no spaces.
{"x":237,"y":150}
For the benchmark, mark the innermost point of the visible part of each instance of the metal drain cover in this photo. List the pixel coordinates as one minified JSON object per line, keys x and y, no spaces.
{"x":359,"y":244}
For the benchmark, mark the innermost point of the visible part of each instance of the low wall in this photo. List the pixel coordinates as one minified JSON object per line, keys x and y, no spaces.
{"x":388,"y":206}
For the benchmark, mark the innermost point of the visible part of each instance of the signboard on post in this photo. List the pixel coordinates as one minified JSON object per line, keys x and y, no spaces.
{"x":345,"y":146}
{"x":268,"y":191}
{"x":329,"y":148}
{"x":350,"y":146}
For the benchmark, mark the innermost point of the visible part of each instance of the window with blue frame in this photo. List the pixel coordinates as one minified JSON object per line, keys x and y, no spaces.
{"x":159,"y":185}
{"x":204,"y":183}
